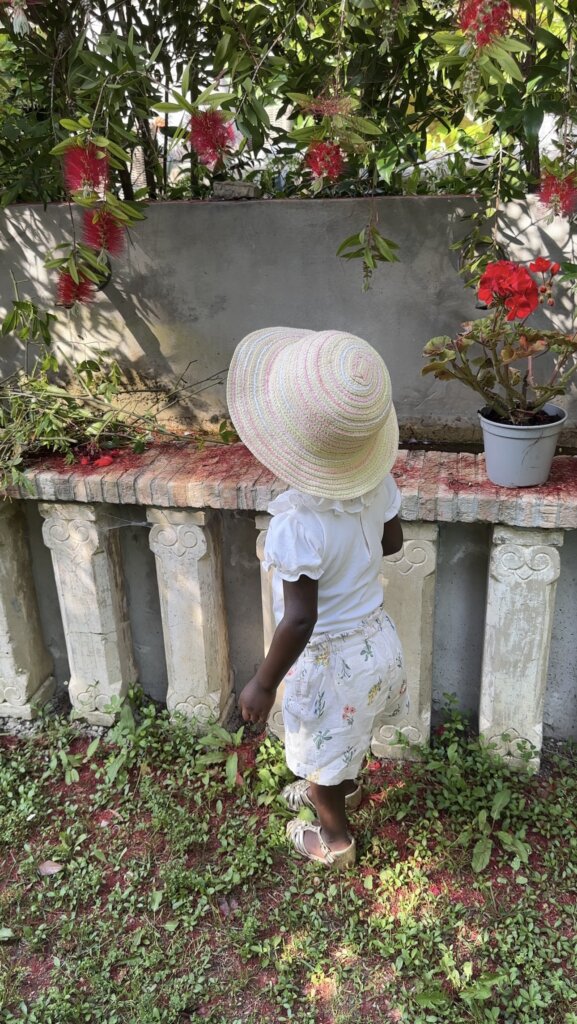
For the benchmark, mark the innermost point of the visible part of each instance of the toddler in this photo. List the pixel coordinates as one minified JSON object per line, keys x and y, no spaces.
{"x":316,"y":409}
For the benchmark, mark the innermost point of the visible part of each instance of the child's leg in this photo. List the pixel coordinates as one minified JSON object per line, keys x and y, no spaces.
{"x":330,"y":804}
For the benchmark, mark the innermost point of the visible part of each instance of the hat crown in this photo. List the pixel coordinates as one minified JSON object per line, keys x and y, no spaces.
{"x":315,"y":407}
{"x":340,"y":386}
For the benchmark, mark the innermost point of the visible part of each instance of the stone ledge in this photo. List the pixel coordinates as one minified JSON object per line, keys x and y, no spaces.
{"x":436,"y":486}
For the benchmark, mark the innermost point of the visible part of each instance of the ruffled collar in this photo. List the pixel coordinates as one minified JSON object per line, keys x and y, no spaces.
{"x":293,"y":499}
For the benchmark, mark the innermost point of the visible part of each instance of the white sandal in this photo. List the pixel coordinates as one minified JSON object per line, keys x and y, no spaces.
{"x":297,"y":795}
{"x":296,"y":831}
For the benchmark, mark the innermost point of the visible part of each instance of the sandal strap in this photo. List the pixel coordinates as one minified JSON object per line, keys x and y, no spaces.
{"x":296,"y":795}
{"x":297,"y":830}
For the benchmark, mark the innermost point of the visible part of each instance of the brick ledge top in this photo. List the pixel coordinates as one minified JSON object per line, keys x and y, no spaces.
{"x":436,"y":486}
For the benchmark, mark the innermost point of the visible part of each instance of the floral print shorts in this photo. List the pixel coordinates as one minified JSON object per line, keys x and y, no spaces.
{"x":341,"y":688}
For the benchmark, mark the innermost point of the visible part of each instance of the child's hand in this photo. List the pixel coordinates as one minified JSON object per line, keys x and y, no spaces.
{"x":256,"y":701}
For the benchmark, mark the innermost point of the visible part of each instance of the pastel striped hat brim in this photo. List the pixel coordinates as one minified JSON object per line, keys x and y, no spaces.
{"x":315,"y":407}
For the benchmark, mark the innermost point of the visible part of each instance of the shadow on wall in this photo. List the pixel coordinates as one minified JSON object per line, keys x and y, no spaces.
{"x":197,"y":276}
{"x":460,"y":600}
{"x":242,"y":595}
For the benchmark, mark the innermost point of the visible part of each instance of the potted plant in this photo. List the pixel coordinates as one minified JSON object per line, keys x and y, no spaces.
{"x":516,"y":368}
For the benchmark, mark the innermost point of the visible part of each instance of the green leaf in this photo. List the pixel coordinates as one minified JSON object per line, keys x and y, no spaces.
{"x":156,"y":52}
{"x":221,"y":51}
{"x":168,"y":108}
{"x":481,"y":854}
{"x":6,"y":934}
{"x":186,"y":80}
{"x":71,"y":126}
{"x":362,"y":124}
{"x":231,"y":768}
{"x":490,"y":71}
{"x":300,"y":98}
{"x":431,"y":998}
{"x":448,"y":38}
{"x":385,"y":247}
{"x":62,"y":147}
{"x":92,"y":748}
{"x":183,"y":103}
{"x":500,"y":801}
{"x":73,"y":270}
{"x":348,"y":242}
{"x":506,"y":61}
{"x":9,"y":322}
{"x":118,"y":152}
{"x":155,"y":900}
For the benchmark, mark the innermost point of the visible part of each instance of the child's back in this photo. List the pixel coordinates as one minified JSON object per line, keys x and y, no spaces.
{"x":338,"y":543}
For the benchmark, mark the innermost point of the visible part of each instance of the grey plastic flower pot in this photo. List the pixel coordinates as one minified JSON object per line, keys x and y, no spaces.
{"x":521,"y":456}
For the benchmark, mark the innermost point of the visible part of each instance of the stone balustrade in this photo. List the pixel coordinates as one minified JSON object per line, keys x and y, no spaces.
{"x":185,"y":492}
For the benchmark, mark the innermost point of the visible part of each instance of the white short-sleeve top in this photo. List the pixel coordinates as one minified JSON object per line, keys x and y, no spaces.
{"x":337,"y":543}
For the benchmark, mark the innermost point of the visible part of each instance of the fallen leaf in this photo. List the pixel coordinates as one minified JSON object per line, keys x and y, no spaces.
{"x":49,"y":867}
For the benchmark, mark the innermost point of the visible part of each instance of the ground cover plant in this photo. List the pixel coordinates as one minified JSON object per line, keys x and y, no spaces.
{"x":145,"y":878}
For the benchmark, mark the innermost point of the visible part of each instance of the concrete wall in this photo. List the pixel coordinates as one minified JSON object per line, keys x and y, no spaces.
{"x":198,"y":276}
{"x":459,"y":613}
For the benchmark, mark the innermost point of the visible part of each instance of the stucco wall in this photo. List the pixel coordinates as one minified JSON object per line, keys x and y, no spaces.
{"x":198,"y":276}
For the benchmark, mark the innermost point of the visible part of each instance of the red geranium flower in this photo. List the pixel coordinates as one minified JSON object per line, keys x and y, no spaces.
{"x":69,"y":291}
{"x":559,"y":194}
{"x":511,"y":285}
{"x":484,"y":20}
{"x":103,"y":231}
{"x":325,"y":159}
{"x":540,"y":266}
{"x":494,"y":282}
{"x":85,"y":167}
{"x":210,"y":135}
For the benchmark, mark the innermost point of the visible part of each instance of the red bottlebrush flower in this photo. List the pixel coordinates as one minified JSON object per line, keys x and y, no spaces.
{"x":70,"y":292}
{"x":325,"y":159}
{"x":85,"y":167}
{"x":559,"y":194}
{"x":510,"y":285}
{"x":103,"y":231}
{"x":484,"y":20}
{"x":211,"y":135}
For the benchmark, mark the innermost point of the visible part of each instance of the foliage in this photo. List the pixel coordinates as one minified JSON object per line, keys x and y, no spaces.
{"x":41,"y":416}
{"x":507,"y":343}
{"x":141,"y":882}
{"x":378,"y":78}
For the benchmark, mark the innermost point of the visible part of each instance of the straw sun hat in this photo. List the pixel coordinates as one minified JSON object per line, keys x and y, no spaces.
{"x":314,"y":407}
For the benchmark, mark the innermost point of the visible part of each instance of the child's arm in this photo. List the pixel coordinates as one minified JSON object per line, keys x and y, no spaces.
{"x":290,"y":639}
{"x":392,"y":536}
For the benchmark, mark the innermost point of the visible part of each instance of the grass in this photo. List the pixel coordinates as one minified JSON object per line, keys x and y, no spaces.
{"x":145,"y":878}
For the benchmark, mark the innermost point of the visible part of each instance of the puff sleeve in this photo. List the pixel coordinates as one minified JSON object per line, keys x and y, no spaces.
{"x":294,"y":545}
{"x":390,"y":498}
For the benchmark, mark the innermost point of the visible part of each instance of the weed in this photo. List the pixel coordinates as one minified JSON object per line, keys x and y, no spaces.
{"x":146,"y":879}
